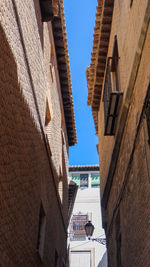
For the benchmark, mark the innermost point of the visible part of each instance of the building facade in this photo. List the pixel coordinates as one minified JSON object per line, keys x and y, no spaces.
{"x":119,"y":93}
{"x":103,"y":262}
{"x":87,"y":207}
{"x":36,"y":128}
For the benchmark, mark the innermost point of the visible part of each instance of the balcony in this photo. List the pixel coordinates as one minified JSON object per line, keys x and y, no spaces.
{"x":112,"y":100}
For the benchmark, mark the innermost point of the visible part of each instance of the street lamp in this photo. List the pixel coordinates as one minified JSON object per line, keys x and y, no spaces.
{"x":89,"y":229}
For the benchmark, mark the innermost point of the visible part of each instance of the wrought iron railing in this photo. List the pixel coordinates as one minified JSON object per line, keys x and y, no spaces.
{"x":107,"y":90}
{"x":112,"y":100}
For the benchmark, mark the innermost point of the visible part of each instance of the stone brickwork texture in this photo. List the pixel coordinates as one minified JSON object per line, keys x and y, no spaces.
{"x":128,"y":237}
{"x":27,"y":175}
{"x":127,"y":24}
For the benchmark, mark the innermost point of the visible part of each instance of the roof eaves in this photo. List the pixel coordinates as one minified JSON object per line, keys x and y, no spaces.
{"x":96,"y":70}
{"x":60,"y":39}
{"x":84,"y":168}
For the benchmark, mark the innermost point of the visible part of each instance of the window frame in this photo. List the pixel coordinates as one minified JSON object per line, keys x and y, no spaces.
{"x":83,"y":186}
{"x":77,"y":230}
{"x":98,"y":185}
{"x":112,"y":96}
{"x":79,"y":183}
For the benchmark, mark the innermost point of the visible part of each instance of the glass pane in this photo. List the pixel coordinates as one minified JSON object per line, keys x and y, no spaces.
{"x":83,"y":180}
{"x":95,"y":179}
{"x":76,"y":178}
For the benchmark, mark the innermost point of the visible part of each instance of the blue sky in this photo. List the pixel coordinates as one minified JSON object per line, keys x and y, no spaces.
{"x":80,"y":22}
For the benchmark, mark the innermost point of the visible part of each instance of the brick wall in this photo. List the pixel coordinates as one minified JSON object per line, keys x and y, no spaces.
{"x":130,"y":188}
{"x":134,"y":209}
{"x":127,"y":24}
{"x":124,"y":158}
{"x":27,"y":175}
{"x":133,"y":118}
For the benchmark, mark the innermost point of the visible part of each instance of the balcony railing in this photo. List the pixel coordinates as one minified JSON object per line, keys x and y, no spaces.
{"x":112,"y":100}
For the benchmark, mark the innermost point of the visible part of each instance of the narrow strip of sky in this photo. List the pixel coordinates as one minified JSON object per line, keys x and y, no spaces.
{"x":80,"y":22}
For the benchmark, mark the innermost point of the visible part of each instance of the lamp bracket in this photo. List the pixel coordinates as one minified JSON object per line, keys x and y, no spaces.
{"x":99,"y":240}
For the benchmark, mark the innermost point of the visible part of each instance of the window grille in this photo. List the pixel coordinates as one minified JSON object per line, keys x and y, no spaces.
{"x":112,"y":96}
{"x":115,"y":55}
{"x":77,"y":231}
{"x":107,"y":90}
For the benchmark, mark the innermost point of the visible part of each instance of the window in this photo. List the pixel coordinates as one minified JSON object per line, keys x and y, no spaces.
{"x":46,"y":10}
{"x":41,"y":232}
{"x":147,"y":113}
{"x":51,"y":72}
{"x":76,"y":178}
{"x":52,"y":50}
{"x":112,"y":96}
{"x":47,"y":114}
{"x":62,"y":137}
{"x":81,"y":180}
{"x":49,"y":9}
{"x":115,"y":56}
{"x":95,"y":180}
{"x":114,"y":66}
{"x":148,"y":125}
{"x":52,"y":58}
{"x":77,"y":231}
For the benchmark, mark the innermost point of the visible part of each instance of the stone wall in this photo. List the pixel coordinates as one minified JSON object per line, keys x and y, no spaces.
{"x":30,"y":167}
{"x":125,"y":157}
{"x":133,"y":205}
{"x":130,"y":31}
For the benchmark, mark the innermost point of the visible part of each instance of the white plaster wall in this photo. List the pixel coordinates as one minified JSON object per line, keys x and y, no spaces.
{"x":88,"y":201}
